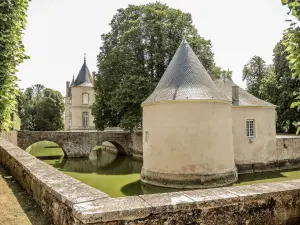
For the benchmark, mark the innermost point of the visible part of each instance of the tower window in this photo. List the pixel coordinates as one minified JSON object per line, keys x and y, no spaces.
{"x":250,"y":126}
{"x":70,"y":123}
{"x":85,"y":119}
{"x":85,"y":98}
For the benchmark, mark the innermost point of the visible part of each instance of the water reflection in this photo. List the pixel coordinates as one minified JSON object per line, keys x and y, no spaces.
{"x":116,"y":175}
{"x":45,"y":149}
{"x":119,"y":175}
{"x":99,"y":162}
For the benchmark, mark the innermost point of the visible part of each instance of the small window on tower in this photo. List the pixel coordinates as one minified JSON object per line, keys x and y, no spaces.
{"x":85,"y":119}
{"x":85,"y":98}
{"x":250,"y":128}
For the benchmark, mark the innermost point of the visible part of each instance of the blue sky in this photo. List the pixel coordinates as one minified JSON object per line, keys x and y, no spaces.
{"x":59,"y":32}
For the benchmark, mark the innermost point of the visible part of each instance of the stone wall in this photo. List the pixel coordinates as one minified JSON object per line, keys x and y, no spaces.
{"x":79,"y":143}
{"x":286,"y":156}
{"x":136,"y":145}
{"x":11,"y":136}
{"x":73,"y":203}
{"x":288,"y":151}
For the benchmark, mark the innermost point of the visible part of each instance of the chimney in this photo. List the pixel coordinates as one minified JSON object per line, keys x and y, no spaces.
{"x":94,"y":76}
{"x":67,"y":88}
{"x":235,"y":95}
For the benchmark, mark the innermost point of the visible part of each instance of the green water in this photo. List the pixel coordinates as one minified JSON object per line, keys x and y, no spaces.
{"x":119,"y":175}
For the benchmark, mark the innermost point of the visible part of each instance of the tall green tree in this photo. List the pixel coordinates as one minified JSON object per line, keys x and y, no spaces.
{"x":278,"y":86}
{"x":253,"y":72}
{"x":12,"y":24}
{"x":292,"y":46}
{"x":41,"y":109}
{"x":134,"y":56}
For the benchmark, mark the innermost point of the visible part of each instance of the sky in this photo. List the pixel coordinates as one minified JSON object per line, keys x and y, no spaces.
{"x":59,"y":32}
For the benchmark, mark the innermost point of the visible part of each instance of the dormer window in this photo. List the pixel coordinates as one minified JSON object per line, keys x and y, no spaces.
{"x":85,"y":98}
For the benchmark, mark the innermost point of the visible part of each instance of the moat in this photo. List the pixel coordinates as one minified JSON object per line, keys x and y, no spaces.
{"x":119,"y":175}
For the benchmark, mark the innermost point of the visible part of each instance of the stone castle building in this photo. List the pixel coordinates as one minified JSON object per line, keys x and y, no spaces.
{"x":79,"y":98}
{"x":197,"y":131}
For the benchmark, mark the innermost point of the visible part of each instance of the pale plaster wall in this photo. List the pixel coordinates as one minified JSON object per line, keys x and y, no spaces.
{"x":261,"y":148}
{"x":77,"y":108}
{"x":188,"y":137}
{"x":67,"y":113}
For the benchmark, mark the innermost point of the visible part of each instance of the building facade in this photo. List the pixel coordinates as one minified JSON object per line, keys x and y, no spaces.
{"x":196,"y":131}
{"x":79,"y":99}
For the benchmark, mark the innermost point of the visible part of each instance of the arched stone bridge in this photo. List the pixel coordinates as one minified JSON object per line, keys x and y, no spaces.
{"x":80,"y":143}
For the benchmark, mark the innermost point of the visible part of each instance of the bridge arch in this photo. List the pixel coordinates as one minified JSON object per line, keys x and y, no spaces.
{"x":109,"y":145}
{"x":77,"y":143}
{"x":38,"y":148}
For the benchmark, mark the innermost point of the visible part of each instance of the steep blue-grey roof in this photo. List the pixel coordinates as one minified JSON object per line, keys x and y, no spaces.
{"x":185,"y":78}
{"x":245,"y":98}
{"x":84,"y":77}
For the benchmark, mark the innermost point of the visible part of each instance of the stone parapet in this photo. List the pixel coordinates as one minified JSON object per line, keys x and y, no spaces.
{"x":71,"y":202}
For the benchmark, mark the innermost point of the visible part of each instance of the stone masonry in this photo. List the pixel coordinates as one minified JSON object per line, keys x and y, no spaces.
{"x":73,"y":203}
{"x":80,"y":144}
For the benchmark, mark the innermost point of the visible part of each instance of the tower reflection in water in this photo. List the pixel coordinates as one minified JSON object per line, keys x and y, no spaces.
{"x":117,"y":175}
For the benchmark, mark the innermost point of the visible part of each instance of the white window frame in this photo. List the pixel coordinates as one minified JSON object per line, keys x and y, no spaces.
{"x":250,"y":128}
{"x":85,"y":119}
{"x":85,"y":96}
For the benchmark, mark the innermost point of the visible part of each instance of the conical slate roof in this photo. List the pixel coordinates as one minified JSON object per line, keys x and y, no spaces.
{"x":84,"y":77}
{"x":245,"y":98}
{"x":185,"y":78}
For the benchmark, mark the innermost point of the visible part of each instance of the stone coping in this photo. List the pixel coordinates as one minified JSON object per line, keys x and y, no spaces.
{"x":69,"y":201}
{"x":282,"y":136}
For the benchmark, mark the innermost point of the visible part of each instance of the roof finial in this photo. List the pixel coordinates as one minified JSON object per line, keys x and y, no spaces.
{"x":84,"y":57}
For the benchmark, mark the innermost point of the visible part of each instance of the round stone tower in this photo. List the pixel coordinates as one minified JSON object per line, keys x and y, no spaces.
{"x":187,"y":128}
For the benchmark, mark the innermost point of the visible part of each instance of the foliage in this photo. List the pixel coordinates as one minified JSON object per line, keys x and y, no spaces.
{"x":278,"y":87}
{"x":253,"y":73}
{"x":12,"y":23}
{"x":218,"y":72}
{"x":41,"y":109}
{"x":292,"y":46}
{"x":134,"y":56}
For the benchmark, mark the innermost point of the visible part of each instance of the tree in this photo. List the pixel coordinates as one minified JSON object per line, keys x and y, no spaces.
{"x":12,"y":24}
{"x":278,"y":86}
{"x":218,"y":72}
{"x":253,"y":72}
{"x":134,"y":56}
{"x":41,"y":109}
{"x":292,"y":46}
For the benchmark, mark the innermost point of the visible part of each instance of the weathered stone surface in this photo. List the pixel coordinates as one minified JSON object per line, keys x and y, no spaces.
{"x":169,"y":202}
{"x":112,"y":209}
{"x":55,"y":192}
{"x":80,"y":144}
{"x":69,"y":201}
